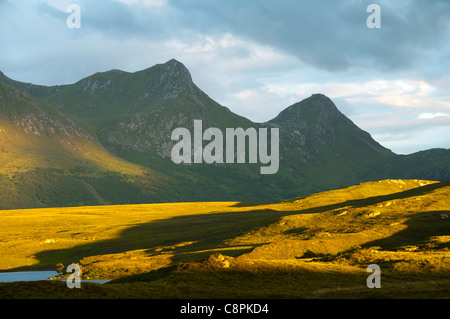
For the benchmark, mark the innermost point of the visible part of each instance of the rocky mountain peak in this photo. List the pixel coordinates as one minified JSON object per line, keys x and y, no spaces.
{"x":323,"y":107}
{"x":317,"y":107}
{"x":176,"y":68}
{"x":175,"y":78}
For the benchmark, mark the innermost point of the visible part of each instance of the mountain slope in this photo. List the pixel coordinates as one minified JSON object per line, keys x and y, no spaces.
{"x":46,"y":159}
{"x":27,"y":122}
{"x":132,"y":115}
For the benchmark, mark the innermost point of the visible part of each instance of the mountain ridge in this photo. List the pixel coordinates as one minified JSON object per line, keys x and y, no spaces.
{"x":126,"y":92}
{"x":132,"y":115}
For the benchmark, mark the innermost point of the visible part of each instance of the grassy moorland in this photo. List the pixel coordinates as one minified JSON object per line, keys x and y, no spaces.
{"x":317,"y":246}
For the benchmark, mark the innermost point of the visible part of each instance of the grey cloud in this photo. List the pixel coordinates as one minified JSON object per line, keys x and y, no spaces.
{"x":115,"y":19}
{"x":112,"y":18}
{"x":45,"y":9}
{"x":330,"y":35}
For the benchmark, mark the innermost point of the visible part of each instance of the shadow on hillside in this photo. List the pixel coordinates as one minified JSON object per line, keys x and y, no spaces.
{"x":421,"y":227}
{"x":202,"y":233}
{"x":250,"y":204}
{"x":186,"y":237}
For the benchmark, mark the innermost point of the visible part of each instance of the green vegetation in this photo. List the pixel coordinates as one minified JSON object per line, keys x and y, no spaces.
{"x":106,"y":140}
{"x":316,"y":246}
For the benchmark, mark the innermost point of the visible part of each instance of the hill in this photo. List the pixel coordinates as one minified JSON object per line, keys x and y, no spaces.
{"x":317,"y":246}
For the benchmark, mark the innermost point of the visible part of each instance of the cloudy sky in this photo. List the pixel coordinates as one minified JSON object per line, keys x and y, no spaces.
{"x":256,"y":57}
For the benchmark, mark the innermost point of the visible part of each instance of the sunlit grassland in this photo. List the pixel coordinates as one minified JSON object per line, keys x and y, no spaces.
{"x":26,"y":233}
{"x":316,"y":246}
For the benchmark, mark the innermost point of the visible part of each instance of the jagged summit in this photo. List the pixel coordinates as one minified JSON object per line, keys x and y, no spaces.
{"x":312,"y":109}
{"x":177,"y":70}
{"x":174,"y":79}
{"x":173,"y":63}
{"x":172,"y":71}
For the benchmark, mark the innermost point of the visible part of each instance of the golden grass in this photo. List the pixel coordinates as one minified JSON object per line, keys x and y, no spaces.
{"x":27,"y":232}
{"x":323,"y":242}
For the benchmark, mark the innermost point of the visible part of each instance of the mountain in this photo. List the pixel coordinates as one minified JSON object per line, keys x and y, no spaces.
{"x":135,"y":110}
{"x":315,"y":122}
{"x":117,"y":93}
{"x":130,"y":117}
{"x":318,"y":141}
{"x":46,"y":159}
{"x":432,"y":164}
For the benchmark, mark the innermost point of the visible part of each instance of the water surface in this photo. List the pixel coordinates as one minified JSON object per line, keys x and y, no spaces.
{"x":36,"y":276}
{"x":26,"y":276}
